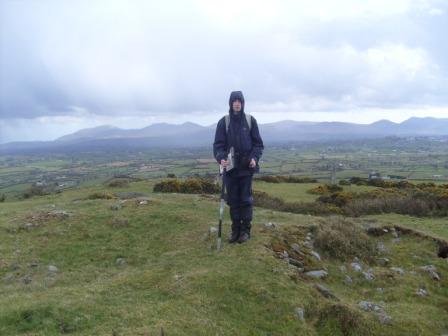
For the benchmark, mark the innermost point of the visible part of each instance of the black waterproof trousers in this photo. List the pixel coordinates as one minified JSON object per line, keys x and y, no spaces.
{"x":239,"y":197}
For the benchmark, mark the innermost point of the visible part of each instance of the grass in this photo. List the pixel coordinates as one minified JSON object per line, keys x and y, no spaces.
{"x":172,"y":279}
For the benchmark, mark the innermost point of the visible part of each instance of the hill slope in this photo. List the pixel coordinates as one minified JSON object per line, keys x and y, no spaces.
{"x":148,"y":265}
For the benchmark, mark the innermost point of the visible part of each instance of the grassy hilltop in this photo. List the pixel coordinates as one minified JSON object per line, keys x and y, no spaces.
{"x":81,"y":263}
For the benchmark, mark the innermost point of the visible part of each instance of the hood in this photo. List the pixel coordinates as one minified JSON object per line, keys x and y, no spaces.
{"x":234,"y":96}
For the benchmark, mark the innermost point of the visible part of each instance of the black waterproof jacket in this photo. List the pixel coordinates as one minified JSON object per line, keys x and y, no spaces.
{"x":247,"y":142}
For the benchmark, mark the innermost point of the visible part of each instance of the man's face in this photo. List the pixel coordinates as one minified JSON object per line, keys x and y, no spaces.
{"x":236,"y":105}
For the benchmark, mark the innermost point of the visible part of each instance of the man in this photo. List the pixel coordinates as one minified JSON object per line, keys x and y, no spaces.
{"x":239,"y":131}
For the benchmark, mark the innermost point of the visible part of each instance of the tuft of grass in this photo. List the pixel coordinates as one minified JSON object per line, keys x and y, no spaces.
{"x":342,"y":239}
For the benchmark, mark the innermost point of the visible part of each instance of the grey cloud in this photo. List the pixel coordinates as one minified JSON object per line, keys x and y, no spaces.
{"x":55,"y":59}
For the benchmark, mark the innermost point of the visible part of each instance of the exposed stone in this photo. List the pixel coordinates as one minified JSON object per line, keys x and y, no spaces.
{"x":300,"y":313}
{"x":61,"y":214}
{"x":325,"y":291}
{"x":383,"y":261}
{"x":212,"y":229}
{"x":343,"y":268}
{"x":384,"y":318}
{"x":269,"y":225}
{"x":382,"y":248}
{"x":295,"y":262}
{"x":315,"y":254}
{"x":53,"y":269}
{"x":33,"y":264}
{"x":26,"y":279}
{"x":422,"y":292}
{"x":370,"y":306}
{"x":356,"y":266}
{"x":348,"y":280}
{"x":116,"y":206}
{"x":120,"y":261}
{"x":308,"y":244}
{"x":9,"y":277}
{"x":398,"y":270}
{"x":368,"y":276}
{"x":432,"y":271}
{"x":317,"y":274}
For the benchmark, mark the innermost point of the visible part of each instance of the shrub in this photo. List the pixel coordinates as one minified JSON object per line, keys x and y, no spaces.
{"x":118,"y":183}
{"x":35,"y":190}
{"x":101,"y":195}
{"x":189,"y":186}
{"x":325,"y":189}
{"x":285,"y":179}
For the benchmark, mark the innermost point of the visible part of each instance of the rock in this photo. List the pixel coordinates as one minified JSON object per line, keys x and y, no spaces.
{"x":53,"y":269}
{"x":33,"y":264}
{"x":308,"y":244}
{"x":316,"y":274}
{"x":269,"y":225}
{"x":356,"y":267}
{"x":143,"y":203}
{"x":394,"y":232}
{"x":295,"y":262}
{"x":29,"y":225}
{"x":296,"y":248}
{"x":428,"y":268}
{"x":212,"y":229}
{"x":383,"y":261}
{"x":325,"y":291}
{"x":434,"y":276}
{"x":348,"y":280}
{"x":61,"y":214}
{"x":368,"y":276}
{"x":380,"y":290}
{"x":116,"y":206}
{"x":284,"y":255}
{"x":370,"y":306}
{"x":343,"y":269}
{"x":396,"y":240}
{"x":398,"y":270}
{"x":143,"y":200}
{"x":9,"y":277}
{"x":300,"y":313}
{"x":382,"y":248}
{"x":422,"y":292}
{"x":26,"y":279}
{"x":432,"y":270}
{"x":384,"y":318}
{"x":315,"y":255}
{"x":120,"y":261}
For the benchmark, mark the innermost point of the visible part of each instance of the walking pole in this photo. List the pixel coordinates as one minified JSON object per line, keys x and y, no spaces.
{"x":222,"y":172}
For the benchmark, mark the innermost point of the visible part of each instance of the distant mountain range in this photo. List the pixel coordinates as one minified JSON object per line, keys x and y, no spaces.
{"x":189,"y":134}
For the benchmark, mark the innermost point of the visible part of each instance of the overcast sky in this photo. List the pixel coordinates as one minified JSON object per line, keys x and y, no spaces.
{"x":67,"y":65}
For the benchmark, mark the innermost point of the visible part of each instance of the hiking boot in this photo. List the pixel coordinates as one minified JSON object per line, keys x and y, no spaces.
{"x":245,"y":232}
{"x":236,"y":228}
